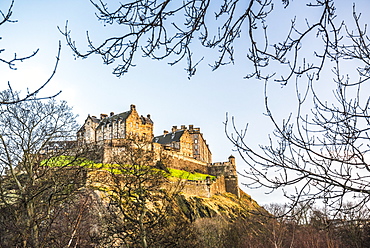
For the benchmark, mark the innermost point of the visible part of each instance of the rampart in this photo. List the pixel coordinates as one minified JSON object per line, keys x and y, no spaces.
{"x":201,"y":188}
{"x":225,"y":172}
{"x":231,"y":185}
{"x":181,"y":162}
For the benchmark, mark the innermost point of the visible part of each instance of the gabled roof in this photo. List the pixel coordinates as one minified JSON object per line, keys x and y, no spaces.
{"x":146,"y":120}
{"x":169,"y":138}
{"x":122,"y":116}
{"x":94,"y":119}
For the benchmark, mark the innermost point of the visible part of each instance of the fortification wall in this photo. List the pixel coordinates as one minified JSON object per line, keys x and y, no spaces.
{"x":182,"y":162}
{"x":222,"y":168}
{"x":198,"y":188}
{"x":226,"y":178}
{"x":231,"y":185}
{"x":203,"y":188}
{"x":216,"y":169}
{"x":218,"y":186}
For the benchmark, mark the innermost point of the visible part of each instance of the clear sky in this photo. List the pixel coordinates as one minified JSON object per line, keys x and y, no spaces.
{"x":154,"y":87}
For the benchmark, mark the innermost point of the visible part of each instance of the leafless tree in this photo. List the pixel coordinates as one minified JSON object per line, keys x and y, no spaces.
{"x":172,"y":29}
{"x":176,"y":29}
{"x":5,"y":19}
{"x":80,"y":221}
{"x":319,"y":153}
{"x":138,"y":203}
{"x":31,"y":189}
{"x":352,"y":226}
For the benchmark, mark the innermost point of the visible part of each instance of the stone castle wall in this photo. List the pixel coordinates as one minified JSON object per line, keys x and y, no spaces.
{"x":201,"y":188}
{"x":181,"y":162}
{"x":231,"y":185}
{"x":225,"y":172}
{"x":218,"y":186}
{"x":100,"y":179}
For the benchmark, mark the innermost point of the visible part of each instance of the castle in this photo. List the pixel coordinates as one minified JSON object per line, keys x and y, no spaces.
{"x":185,"y":146}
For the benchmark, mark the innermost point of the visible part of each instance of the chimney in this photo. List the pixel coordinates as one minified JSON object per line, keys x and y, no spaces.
{"x":183,"y":127}
{"x":165,"y":132}
{"x":132,"y":107}
{"x":111,"y":113}
{"x":102,"y":116}
{"x":174,"y":129}
{"x":191,"y":127}
{"x":148,"y":116}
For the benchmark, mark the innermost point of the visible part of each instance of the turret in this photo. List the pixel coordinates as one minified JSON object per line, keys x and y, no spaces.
{"x":232,"y":160}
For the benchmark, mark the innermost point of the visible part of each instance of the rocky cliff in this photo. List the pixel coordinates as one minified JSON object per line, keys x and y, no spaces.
{"x":226,"y":205}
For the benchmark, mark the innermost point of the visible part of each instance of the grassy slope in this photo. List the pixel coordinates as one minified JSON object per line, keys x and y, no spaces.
{"x":226,"y":205}
{"x":62,"y":161}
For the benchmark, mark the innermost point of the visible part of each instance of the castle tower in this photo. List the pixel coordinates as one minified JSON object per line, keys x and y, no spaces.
{"x":232,"y":160}
{"x":231,"y":177}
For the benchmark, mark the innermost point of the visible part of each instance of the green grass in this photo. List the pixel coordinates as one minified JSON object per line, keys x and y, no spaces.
{"x":62,"y":161}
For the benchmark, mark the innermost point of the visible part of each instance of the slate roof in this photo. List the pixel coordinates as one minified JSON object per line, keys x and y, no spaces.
{"x":169,"y":138}
{"x":146,"y":119}
{"x":110,"y":119}
{"x":94,"y":119}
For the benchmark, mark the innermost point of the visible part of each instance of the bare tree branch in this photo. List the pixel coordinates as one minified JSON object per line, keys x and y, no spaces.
{"x":6,"y":18}
{"x":171,"y":30}
{"x":12,"y":65}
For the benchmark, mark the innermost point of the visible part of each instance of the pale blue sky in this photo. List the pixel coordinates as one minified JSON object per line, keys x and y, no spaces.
{"x":154,"y":87}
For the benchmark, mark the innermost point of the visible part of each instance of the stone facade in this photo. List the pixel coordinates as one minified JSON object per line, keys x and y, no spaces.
{"x":202,"y":188}
{"x":185,"y":147}
{"x":185,"y":141}
{"x":113,"y":127}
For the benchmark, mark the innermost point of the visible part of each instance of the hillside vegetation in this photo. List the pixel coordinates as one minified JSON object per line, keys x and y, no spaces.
{"x":113,"y":205}
{"x":63,"y":161}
